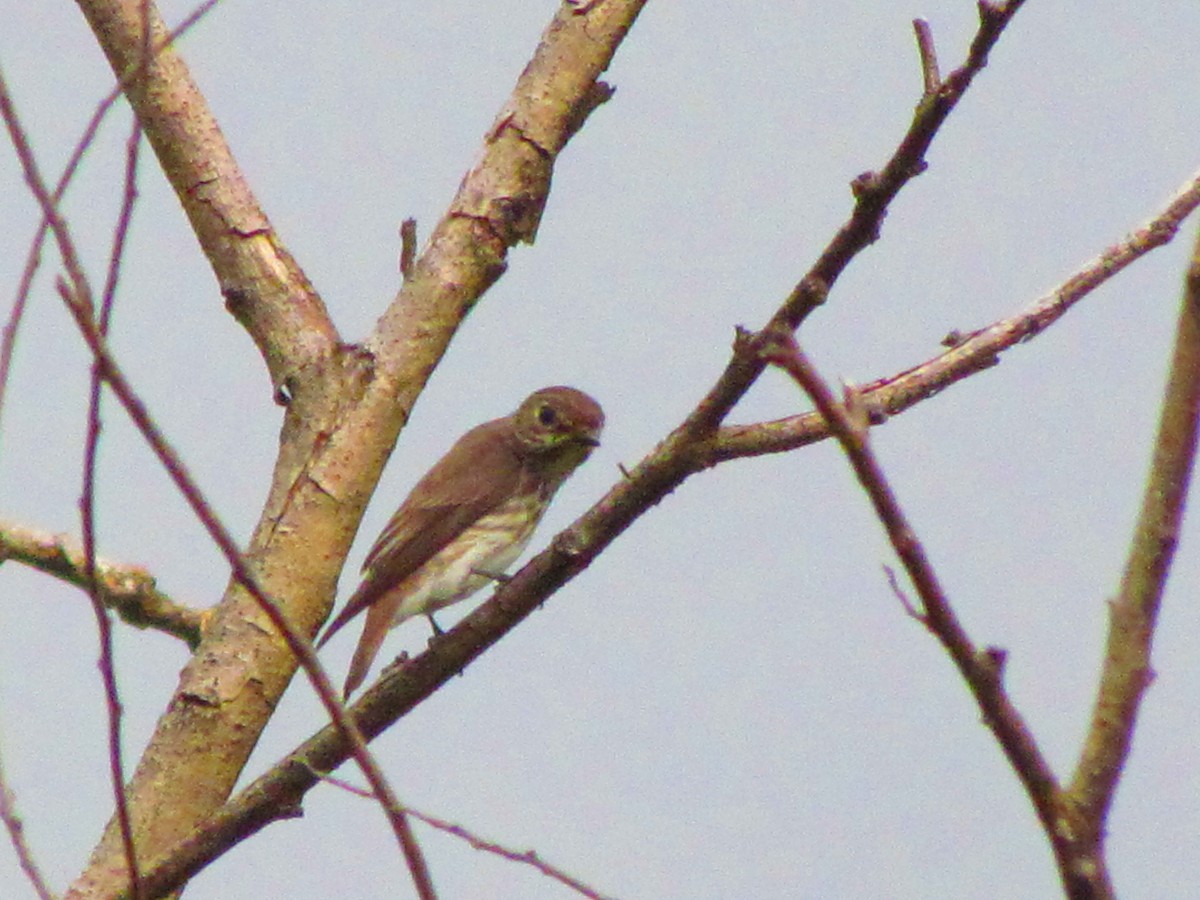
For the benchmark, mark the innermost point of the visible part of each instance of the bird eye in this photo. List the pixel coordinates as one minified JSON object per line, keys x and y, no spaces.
{"x":546,"y":415}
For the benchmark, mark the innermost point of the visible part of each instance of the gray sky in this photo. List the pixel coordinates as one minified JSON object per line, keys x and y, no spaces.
{"x":730,"y":702}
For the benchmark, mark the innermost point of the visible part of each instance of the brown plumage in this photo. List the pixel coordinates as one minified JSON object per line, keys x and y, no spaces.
{"x":470,"y":516}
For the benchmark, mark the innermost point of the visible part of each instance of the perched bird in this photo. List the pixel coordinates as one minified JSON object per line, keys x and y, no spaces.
{"x":470,"y":516}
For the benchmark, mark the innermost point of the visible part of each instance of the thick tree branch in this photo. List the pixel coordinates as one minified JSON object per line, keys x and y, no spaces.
{"x":123,"y":832}
{"x":346,"y":407}
{"x":501,"y":200}
{"x":295,"y":641}
{"x":680,"y":454}
{"x":263,"y":286}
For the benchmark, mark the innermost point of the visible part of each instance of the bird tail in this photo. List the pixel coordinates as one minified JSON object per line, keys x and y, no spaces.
{"x":374,"y":631}
{"x":361,"y":599}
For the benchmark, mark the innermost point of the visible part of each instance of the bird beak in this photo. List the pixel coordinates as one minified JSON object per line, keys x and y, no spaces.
{"x":590,"y":440}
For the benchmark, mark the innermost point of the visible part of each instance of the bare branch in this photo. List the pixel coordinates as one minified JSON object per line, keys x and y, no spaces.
{"x":1128,"y":670}
{"x":929,"y":64}
{"x":33,"y":257}
{"x":130,"y":591}
{"x":77,"y":297}
{"x":87,"y":511}
{"x":297,"y":642}
{"x":969,"y":352}
{"x":873,"y":193}
{"x":263,"y":286}
{"x":501,"y":199}
{"x":1082,"y":870}
{"x":529,"y":857}
{"x":346,"y":406}
{"x":681,"y":453}
{"x":16,"y":836}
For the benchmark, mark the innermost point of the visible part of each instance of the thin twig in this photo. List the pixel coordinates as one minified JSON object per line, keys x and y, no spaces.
{"x":87,"y":500}
{"x":33,"y":257}
{"x":108,"y":675}
{"x":16,"y":836}
{"x":929,"y":65}
{"x":529,"y":857}
{"x":77,"y":297}
{"x":980,"y":668}
{"x":1133,"y":615}
{"x":969,"y":352}
{"x":894,"y":584}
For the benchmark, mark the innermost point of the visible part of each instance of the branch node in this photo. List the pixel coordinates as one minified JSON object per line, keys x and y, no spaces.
{"x":857,"y":411}
{"x":865,"y":184}
{"x":991,"y":662}
{"x":745,"y":343}
{"x":408,"y":247}
{"x":569,"y":543}
{"x":599,"y":93}
{"x":929,"y":64}
{"x":909,"y":608}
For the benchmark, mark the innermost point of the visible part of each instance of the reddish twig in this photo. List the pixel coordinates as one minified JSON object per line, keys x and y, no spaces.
{"x":1083,"y":873}
{"x":87,"y":501}
{"x":968,"y":352}
{"x":16,"y":836}
{"x":929,"y":64}
{"x":77,"y":297}
{"x":528,"y":857}
{"x":33,"y":257}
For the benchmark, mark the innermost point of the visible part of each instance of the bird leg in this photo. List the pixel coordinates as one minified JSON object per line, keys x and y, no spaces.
{"x":494,"y":576}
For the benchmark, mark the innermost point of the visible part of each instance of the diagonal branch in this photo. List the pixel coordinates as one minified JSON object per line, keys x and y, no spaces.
{"x":33,"y":257}
{"x":1133,"y":614}
{"x":969,"y":352}
{"x":296,"y":641}
{"x":264,"y":287}
{"x":682,"y":453}
{"x":345,"y":406}
{"x":77,"y":295}
{"x":873,"y":194}
{"x":1083,"y":872}
{"x":529,"y":857}
{"x":16,"y":836}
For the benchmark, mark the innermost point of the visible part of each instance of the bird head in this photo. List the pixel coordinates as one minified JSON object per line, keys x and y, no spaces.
{"x":557,"y":428}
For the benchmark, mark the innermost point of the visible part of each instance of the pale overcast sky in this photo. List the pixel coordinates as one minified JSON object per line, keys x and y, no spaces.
{"x":730,"y":703}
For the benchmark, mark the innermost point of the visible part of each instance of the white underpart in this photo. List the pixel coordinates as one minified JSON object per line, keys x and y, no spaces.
{"x":493,"y":553}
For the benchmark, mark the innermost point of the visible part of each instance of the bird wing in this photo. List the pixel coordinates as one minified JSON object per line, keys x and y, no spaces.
{"x":479,"y":472}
